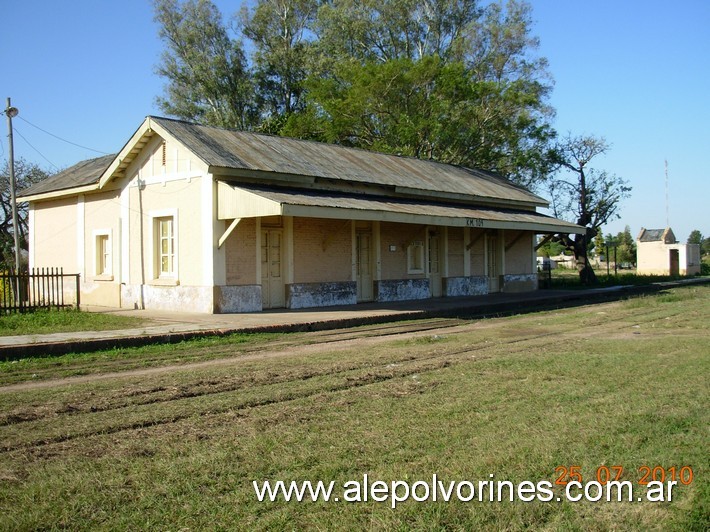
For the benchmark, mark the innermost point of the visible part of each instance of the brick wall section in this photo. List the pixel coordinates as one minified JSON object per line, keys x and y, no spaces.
{"x":240,"y":250}
{"x":322,"y":250}
{"x":456,"y":251}
{"x":478,"y":255}
{"x":394,"y":263}
{"x":517,"y":258}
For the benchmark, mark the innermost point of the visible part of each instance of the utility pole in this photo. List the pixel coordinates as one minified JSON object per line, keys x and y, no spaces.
{"x":11,"y":112}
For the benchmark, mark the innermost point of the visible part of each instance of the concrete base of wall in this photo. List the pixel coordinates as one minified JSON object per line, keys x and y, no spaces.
{"x":308,"y":295}
{"x":465,"y":286}
{"x":101,"y":293}
{"x":524,"y":282}
{"x":185,"y":298}
{"x":402,"y":290}
{"x":232,"y":299}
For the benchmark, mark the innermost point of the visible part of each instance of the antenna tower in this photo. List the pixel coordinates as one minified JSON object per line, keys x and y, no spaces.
{"x":668,"y":223}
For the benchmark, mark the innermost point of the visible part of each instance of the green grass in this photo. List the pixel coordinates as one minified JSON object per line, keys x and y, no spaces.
{"x":52,"y":321}
{"x":566,"y":278}
{"x":621,"y":383}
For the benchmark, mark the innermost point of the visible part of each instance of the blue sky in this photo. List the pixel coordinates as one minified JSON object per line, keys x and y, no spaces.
{"x":635,"y":72}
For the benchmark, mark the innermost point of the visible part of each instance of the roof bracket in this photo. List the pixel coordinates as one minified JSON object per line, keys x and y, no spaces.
{"x":228,"y":232}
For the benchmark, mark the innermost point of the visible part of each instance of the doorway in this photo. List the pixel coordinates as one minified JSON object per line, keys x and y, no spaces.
{"x":364,"y":278}
{"x":492,"y":263}
{"x":272,"y":281}
{"x":674,"y":262}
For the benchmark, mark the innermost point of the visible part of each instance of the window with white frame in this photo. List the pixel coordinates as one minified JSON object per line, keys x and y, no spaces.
{"x":102,"y":251}
{"x":165,"y":246}
{"x":415,"y":257}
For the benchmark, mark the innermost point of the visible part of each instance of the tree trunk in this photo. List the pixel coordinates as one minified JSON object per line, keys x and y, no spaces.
{"x":586,"y":272}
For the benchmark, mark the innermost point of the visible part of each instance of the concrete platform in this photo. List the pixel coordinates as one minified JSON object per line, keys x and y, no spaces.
{"x":171,"y":327}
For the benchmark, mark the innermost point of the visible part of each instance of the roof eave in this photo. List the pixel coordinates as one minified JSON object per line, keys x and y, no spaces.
{"x":469,"y":198}
{"x":56,"y":194}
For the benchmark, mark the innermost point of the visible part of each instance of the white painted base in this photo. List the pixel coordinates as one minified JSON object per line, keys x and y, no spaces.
{"x":176,"y":298}
{"x":232,"y":299}
{"x":465,"y":286}
{"x":402,"y":290}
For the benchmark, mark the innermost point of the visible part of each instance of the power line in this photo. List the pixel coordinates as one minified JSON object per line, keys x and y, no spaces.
{"x":35,"y":149}
{"x":63,"y":140}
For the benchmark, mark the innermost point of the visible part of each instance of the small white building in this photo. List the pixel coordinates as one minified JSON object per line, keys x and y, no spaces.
{"x":659,"y":253}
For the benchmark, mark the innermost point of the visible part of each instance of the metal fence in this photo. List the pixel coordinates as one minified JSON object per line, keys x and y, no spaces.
{"x":37,"y":289}
{"x":544,"y":275}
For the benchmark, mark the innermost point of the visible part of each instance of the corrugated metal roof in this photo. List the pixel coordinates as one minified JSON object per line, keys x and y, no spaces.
{"x":230,"y":149}
{"x":652,"y":235}
{"x":657,"y":235}
{"x":83,"y":173}
{"x":493,"y":218}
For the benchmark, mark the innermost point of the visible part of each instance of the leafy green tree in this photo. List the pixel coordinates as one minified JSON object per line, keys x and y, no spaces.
{"x":450,"y":80}
{"x":599,"y":244}
{"x":26,"y":174}
{"x":446,"y":80}
{"x":705,"y":248}
{"x":695,"y":237}
{"x":626,"y":247}
{"x":208,"y":80}
{"x":280,"y":32}
{"x":587,"y":196}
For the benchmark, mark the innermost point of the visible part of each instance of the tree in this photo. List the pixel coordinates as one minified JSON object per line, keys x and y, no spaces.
{"x":206,"y":70}
{"x":625,"y":247}
{"x":441,"y":80}
{"x":599,"y":245}
{"x":585,"y":195}
{"x":279,"y":30}
{"x":695,"y":237}
{"x":705,"y":248}
{"x":448,"y":80}
{"x":26,"y":174}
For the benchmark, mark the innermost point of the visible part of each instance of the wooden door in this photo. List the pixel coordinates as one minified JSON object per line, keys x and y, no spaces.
{"x":272,"y":281}
{"x":364,"y":278}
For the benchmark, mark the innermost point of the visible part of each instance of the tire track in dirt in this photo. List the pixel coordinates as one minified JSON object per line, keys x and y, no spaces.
{"x":375,"y":373}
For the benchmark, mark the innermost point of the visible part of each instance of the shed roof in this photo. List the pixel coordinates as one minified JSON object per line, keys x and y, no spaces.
{"x":83,"y":173}
{"x":248,"y":201}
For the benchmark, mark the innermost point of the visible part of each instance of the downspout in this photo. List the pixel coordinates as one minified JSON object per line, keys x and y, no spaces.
{"x":142,"y":251}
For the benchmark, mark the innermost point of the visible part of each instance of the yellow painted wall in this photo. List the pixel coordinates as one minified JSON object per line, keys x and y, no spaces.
{"x":518,"y":258}
{"x":322,"y":250}
{"x":456,"y":251}
{"x":477,"y":251}
{"x":55,"y":238}
{"x":240,"y":249}
{"x":165,"y":192}
{"x":394,"y":263}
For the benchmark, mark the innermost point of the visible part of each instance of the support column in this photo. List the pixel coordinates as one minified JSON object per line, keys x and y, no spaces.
{"x":467,"y":251}
{"x":445,"y":251}
{"x":257,"y":281}
{"x":378,"y":250}
{"x":288,"y":251}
